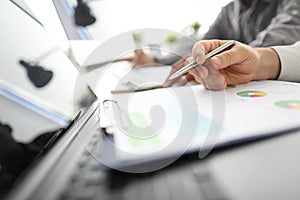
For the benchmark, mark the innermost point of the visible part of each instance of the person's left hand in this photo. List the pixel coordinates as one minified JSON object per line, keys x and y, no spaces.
{"x":140,"y":59}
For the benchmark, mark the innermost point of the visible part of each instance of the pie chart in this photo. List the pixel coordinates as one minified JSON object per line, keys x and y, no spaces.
{"x":289,"y":104}
{"x":252,"y":94}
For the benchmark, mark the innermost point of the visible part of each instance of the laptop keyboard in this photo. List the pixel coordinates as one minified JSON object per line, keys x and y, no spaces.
{"x":185,"y":180}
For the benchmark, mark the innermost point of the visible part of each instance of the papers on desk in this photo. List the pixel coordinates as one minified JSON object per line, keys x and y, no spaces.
{"x":147,"y":77}
{"x":254,"y":110}
{"x":259,"y":109}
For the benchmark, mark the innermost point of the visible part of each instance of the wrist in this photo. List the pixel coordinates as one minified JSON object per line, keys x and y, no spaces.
{"x":269,"y":64}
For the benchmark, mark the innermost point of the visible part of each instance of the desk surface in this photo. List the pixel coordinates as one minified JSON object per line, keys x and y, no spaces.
{"x":267,"y":169}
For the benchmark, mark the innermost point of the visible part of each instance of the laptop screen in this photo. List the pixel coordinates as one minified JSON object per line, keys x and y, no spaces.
{"x":37,"y":82}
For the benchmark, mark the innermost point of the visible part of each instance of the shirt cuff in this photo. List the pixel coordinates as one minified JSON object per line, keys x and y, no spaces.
{"x":290,"y":62}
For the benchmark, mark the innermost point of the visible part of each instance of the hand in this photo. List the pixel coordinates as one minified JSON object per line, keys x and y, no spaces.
{"x":237,"y":65}
{"x":183,"y":80}
{"x":141,"y":59}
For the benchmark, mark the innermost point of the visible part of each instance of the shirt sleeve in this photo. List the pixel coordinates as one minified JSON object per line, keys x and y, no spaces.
{"x":284,"y":28}
{"x":290,"y":62}
{"x":221,"y":23}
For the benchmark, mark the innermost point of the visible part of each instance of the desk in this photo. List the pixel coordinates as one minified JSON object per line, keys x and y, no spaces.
{"x":267,"y":169}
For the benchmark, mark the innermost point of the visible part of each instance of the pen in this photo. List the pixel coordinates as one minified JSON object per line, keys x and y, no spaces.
{"x":89,"y":68}
{"x":136,"y":90}
{"x":194,"y":63}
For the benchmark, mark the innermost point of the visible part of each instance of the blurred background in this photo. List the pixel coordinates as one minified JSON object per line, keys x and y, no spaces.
{"x":36,"y":63}
{"x":117,"y":16}
{"x":113,"y":17}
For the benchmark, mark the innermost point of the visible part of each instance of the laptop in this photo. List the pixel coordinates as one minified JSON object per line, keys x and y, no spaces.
{"x":51,"y":140}
{"x":34,"y":114}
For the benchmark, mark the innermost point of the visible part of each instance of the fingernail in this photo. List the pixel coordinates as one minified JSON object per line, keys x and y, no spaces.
{"x":217,"y":61}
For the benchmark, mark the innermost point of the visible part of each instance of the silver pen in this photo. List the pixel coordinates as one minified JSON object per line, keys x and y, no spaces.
{"x":193,"y":64}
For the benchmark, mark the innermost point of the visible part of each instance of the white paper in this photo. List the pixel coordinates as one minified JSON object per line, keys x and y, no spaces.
{"x":143,"y":77}
{"x":256,"y":109}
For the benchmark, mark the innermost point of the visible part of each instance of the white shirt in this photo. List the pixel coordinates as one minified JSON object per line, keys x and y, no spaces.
{"x":290,"y":62}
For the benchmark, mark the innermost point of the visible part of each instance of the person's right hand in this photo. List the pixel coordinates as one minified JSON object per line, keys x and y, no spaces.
{"x":237,"y":65}
{"x":183,"y":80}
{"x":234,"y":66}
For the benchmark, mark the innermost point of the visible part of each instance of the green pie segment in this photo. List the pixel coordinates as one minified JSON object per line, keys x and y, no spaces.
{"x":252,"y":94}
{"x":289,"y":104}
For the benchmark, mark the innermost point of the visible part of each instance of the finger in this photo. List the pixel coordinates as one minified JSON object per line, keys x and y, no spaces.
{"x":181,"y":82}
{"x":212,"y":84}
{"x":138,"y":51}
{"x":199,"y":71}
{"x":213,"y":80}
{"x":189,"y":77}
{"x":238,"y":54}
{"x":135,"y":61}
{"x":203,"y":47}
{"x":137,"y":57}
{"x":217,"y":85}
{"x":169,"y":83}
{"x":188,"y":60}
{"x":198,"y":53}
{"x":197,"y":77}
{"x":129,"y":59}
{"x":178,"y":65}
{"x":203,"y":71}
{"x":134,"y":65}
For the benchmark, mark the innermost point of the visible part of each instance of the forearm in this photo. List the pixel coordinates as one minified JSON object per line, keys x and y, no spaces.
{"x":269,"y":64}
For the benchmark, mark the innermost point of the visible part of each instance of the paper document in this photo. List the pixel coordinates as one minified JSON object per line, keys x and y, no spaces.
{"x":252,"y":110}
{"x":143,"y":77}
